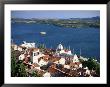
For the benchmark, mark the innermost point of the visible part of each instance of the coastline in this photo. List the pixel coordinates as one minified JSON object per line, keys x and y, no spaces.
{"x":56,"y":56}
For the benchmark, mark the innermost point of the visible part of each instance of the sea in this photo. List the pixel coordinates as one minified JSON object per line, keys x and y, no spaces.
{"x":84,"y":41}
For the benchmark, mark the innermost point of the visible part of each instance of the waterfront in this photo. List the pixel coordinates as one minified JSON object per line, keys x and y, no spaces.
{"x":29,"y":61}
{"x":88,"y":40}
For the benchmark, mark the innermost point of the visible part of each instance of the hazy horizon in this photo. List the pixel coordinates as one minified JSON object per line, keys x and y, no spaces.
{"x":55,"y":14}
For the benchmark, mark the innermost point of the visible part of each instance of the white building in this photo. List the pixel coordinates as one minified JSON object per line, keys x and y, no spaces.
{"x":67,"y":66}
{"x":36,"y":52}
{"x":20,"y":48}
{"x":15,"y":47}
{"x":36,"y":55}
{"x":75,"y":59}
{"x":21,"y":57}
{"x":68,"y":52}
{"x":47,"y":74}
{"x":80,"y":65}
{"x":38,"y":68}
{"x":28,"y":45}
{"x":42,"y":62}
{"x":62,"y":61}
{"x":61,"y":50}
{"x":87,"y":72}
{"x":60,"y":47}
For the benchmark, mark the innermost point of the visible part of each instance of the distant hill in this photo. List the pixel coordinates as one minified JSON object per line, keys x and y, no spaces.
{"x":92,"y":18}
{"x":71,"y":22}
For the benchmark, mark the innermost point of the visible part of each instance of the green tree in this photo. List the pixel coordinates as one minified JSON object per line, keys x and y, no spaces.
{"x":13,"y":65}
{"x":81,"y":60}
{"x":35,"y":74}
{"x":92,"y":64}
{"x":17,"y":67}
{"x":98,"y":69}
{"x":22,"y":71}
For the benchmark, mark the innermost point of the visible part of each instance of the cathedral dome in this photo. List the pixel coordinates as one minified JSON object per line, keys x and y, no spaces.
{"x":60,"y":46}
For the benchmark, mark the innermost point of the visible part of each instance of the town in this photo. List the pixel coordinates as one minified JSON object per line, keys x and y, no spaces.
{"x":27,"y":60}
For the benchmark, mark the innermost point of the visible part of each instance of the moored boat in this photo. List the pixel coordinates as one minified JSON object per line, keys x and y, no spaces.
{"x":43,"y":33}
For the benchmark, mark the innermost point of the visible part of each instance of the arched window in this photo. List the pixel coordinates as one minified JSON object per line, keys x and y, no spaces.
{"x":34,"y":54}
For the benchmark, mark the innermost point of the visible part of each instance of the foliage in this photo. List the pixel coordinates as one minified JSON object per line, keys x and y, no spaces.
{"x":13,"y":65}
{"x":81,"y":60}
{"x":71,"y":22}
{"x":98,"y":69}
{"x":35,"y":74}
{"x":17,"y":67}
{"x":92,"y":64}
{"x":22,"y":71}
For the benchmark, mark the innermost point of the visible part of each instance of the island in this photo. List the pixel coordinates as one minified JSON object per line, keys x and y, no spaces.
{"x":70,"y":22}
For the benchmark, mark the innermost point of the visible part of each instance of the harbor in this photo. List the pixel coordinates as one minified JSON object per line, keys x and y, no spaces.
{"x":47,"y":62}
{"x":51,"y":44}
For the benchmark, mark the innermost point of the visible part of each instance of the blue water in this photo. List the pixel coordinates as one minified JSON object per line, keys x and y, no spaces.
{"x":88,"y":39}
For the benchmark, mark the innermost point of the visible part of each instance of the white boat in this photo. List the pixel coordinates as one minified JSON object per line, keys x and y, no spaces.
{"x":43,"y":33}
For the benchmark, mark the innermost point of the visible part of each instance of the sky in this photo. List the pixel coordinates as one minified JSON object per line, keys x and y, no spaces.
{"x":42,"y":14}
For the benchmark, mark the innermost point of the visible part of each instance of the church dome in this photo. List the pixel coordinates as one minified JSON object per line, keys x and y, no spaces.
{"x":60,"y":46}
{"x":75,"y":59}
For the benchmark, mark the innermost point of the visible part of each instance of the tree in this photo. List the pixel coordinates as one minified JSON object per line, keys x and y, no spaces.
{"x":22,"y":71}
{"x":92,"y":64}
{"x":35,"y":74}
{"x":13,"y":65}
{"x":98,"y":69}
{"x":17,"y":67}
{"x":81,"y":60}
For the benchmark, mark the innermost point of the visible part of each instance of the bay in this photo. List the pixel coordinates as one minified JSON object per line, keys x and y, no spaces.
{"x":86,"y":39}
